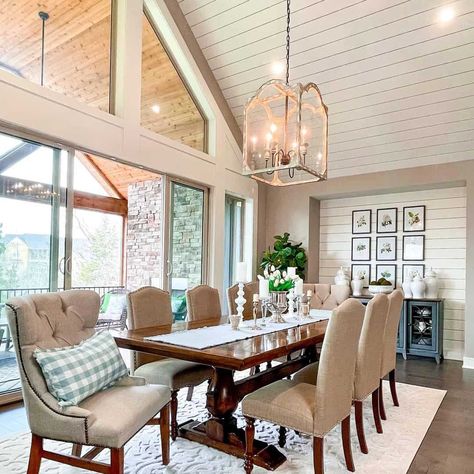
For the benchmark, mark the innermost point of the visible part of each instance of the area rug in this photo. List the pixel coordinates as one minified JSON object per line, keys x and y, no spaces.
{"x":391,"y":452}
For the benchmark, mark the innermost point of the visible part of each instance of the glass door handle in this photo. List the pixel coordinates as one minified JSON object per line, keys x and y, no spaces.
{"x":62,"y":265}
{"x":170,"y":268}
{"x":67,"y":266}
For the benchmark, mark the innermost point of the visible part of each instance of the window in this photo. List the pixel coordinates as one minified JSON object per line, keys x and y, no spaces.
{"x":167,"y":107}
{"x":77,"y":43}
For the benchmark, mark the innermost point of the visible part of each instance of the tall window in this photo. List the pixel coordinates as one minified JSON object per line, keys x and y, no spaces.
{"x":77,"y":42}
{"x":167,"y":107}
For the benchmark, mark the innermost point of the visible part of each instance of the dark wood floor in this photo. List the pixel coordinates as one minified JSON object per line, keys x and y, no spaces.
{"x":448,"y":447}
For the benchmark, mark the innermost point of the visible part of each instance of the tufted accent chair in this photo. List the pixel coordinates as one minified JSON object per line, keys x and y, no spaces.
{"x":55,"y":320}
{"x":326,"y":296}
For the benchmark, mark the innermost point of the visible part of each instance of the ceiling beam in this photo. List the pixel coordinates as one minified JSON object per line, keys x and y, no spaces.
{"x":15,"y":155}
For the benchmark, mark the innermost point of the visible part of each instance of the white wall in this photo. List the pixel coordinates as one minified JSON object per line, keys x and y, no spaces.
{"x":445,"y":246}
{"x":30,"y":108}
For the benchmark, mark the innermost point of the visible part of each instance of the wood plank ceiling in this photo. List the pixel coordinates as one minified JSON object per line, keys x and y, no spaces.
{"x":399,"y":83}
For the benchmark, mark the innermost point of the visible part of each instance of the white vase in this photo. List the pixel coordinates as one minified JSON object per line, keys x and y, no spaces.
{"x":357,"y":286}
{"x":431,"y":282}
{"x":406,"y":285}
{"x":418,"y":287}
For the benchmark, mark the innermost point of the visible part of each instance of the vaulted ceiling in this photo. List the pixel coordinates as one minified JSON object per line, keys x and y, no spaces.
{"x":399,"y":83}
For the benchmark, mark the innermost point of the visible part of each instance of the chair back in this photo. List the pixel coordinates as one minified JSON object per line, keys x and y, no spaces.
{"x":48,"y":321}
{"x":326,"y":296}
{"x":249,"y":290}
{"x":148,"y":306}
{"x":335,"y":377}
{"x":369,"y":355}
{"x":389,"y":353}
{"x":203,"y":305}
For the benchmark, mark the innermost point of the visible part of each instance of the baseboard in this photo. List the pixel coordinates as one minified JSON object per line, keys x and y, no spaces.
{"x":468,"y":363}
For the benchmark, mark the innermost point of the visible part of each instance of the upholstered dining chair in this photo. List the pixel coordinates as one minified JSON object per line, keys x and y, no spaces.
{"x":250,"y":289}
{"x":389,"y":353}
{"x":326,"y":296}
{"x":314,"y":410}
{"x":58,"y":320}
{"x":204,"y":306}
{"x":150,"y":306}
{"x":367,"y":374}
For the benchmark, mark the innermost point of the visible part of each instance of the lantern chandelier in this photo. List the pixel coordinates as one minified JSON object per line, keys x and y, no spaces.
{"x":285,"y":131}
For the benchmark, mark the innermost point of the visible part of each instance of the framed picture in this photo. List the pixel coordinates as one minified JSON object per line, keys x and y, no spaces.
{"x":362,"y":221}
{"x":386,"y":248}
{"x":409,"y":271}
{"x":360,"y":249}
{"x":361,"y":269}
{"x":414,"y":219}
{"x":389,"y":272}
{"x":387,"y":220}
{"x":413,"y":247}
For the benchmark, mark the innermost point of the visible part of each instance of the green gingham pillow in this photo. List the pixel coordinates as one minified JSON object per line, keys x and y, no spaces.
{"x":74,"y":373}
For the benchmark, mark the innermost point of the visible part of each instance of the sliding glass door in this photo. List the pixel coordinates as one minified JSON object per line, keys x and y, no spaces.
{"x":186,"y":262}
{"x":31,"y":194}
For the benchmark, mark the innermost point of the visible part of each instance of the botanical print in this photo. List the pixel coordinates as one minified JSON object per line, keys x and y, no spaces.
{"x":387,"y":220}
{"x":414,"y":219}
{"x":413,"y":247}
{"x":389,"y":272}
{"x":361,"y":248}
{"x":361,"y":272}
{"x":386,"y":248}
{"x":410,"y":271}
{"x":362,"y":221}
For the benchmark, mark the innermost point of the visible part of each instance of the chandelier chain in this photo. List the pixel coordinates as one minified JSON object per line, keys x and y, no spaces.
{"x":288,"y":42}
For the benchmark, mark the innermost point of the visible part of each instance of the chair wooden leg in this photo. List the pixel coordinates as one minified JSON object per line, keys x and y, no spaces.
{"x":35,"y":454}
{"x":165,"y":433}
{"x":189,"y":396}
{"x":360,"y":426}
{"x":346,"y":442}
{"x":393,"y":387}
{"x":249,"y":435}
{"x":174,"y":414}
{"x":76,"y":450}
{"x":282,"y":437}
{"x":318,"y":455}
{"x":375,"y":409}
{"x":116,"y":461}
{"x":381,"y":404}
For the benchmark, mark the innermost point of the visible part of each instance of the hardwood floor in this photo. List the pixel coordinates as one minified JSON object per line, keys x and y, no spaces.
{"x":448,"y":447}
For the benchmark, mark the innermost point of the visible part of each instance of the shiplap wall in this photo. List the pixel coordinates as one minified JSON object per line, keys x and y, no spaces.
{"x":445,"y":246}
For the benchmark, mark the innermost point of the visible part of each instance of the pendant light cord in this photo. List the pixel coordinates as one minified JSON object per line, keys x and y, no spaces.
{"x":288,"y":42}
{"x":44,"y":16}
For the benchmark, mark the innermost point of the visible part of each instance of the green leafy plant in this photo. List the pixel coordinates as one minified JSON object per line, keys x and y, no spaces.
{"x":285,"y":254}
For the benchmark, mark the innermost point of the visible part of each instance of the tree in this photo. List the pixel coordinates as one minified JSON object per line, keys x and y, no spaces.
{"x":8,"y":271}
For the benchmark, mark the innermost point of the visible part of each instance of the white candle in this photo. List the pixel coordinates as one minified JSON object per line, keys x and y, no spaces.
{"x":299,"y":287}
{"x":241,"y":272}
{"x":263,"y":288}
{"x":291,"y":272}
{"x":309,"y":293}
{"x":256,"y":298}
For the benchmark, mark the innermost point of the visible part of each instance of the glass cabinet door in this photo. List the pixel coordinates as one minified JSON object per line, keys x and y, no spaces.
{"x":421,"y":316}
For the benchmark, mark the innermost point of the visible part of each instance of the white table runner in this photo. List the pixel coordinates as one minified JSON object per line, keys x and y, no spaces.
{"x":205,"y":337}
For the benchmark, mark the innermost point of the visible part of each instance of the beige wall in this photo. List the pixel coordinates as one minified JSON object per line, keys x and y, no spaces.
{"x":288,"y":209}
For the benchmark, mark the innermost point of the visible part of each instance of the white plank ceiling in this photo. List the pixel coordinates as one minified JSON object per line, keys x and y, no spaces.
{"x":398,"y":82}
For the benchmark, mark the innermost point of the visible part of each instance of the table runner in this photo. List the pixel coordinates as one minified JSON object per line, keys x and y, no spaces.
{"x":210,"y":336}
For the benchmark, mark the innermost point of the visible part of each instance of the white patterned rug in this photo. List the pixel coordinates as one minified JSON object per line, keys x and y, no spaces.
{"x":389,"y":453}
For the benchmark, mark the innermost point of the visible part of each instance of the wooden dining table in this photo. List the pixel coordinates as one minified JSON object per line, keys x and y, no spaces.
{"x":225,"y":392}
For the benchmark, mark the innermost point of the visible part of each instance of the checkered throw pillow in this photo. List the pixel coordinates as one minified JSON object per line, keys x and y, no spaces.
{"x":74,"y":373}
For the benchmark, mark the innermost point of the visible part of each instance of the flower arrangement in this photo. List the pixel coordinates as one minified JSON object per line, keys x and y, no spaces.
{"x":278,"y":281}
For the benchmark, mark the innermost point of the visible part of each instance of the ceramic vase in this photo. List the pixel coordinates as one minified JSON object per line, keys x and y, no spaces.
{"x":418,"y":287}
{"x":406,"y":285}
{"x":357,"y":286}
{"x":431,"y":282}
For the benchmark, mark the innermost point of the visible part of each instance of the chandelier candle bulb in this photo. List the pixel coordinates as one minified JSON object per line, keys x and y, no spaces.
{"x":256,"y":298}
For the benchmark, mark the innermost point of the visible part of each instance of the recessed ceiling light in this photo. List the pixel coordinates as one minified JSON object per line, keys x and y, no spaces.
{"x":277,"y":68}
{"x":446,"y":14}
{"x":155,"y":108}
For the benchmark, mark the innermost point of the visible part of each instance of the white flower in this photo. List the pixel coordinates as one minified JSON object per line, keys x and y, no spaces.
{"x":272,"y":277}
{"x":265,"y":273}
{"x":272,"y":268}
{"x":276,"y":282}
{"x":284,"y":274}
{"x":287,"y":278}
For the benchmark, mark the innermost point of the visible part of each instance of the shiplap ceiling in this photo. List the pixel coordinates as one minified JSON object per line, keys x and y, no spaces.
{"x":398,"y":82}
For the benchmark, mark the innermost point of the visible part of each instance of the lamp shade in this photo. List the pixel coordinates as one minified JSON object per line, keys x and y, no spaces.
{"x":285,"y":134}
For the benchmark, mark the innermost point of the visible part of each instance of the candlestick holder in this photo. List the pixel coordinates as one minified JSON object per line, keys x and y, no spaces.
{"x":291,"y":301}
{"x":264,"y":302}
{"x":255,"y":326}
{"x":240,"y":300}
{"x":299,"y":299}
{"x":307,"y":308}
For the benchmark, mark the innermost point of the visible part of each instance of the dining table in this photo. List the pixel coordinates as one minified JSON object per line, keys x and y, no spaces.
{"x":295,"y":346}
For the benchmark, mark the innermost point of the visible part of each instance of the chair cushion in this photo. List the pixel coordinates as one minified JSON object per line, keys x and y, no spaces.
{"x":174,"y":373}
{"x":121,"y":411}
{"x":308,"y":374}
{"x":286,"y":403}
{"x":76,"y":372}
